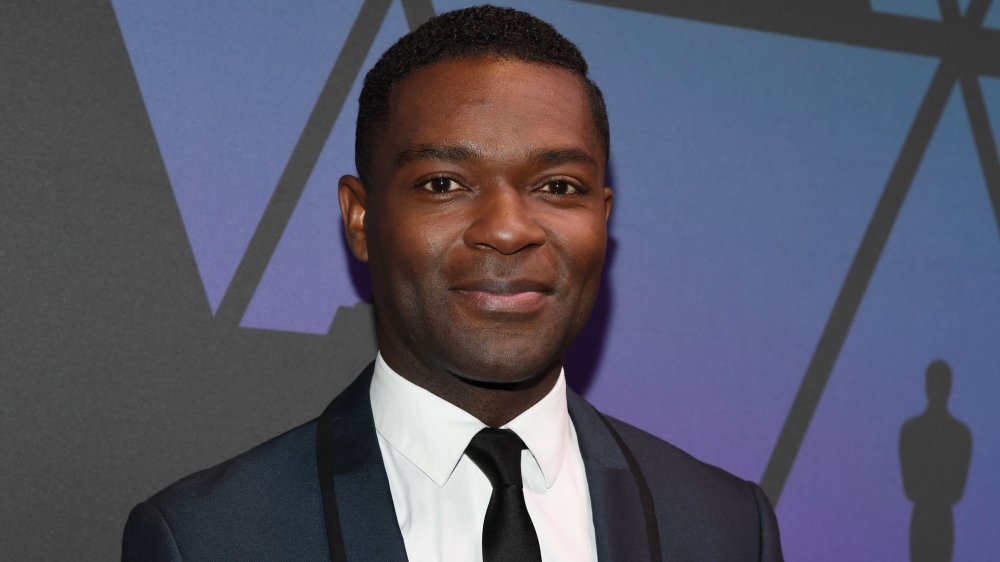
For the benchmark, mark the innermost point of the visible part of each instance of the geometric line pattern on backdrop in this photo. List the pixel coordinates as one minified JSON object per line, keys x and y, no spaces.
{"x":847,"y":22}
{"x":960,"y":43}
{"x":307,"y":150}
{"x":228,"y":88}
{"x":955,"y":66}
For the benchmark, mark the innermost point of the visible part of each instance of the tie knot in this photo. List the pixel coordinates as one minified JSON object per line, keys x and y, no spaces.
{"x":497,"y":452}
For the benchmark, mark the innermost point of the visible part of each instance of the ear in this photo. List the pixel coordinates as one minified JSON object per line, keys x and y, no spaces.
{"x":353,"y":204}
{"x":609,"y":196}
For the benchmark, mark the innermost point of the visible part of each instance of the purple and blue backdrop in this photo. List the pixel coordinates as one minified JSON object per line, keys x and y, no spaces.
{"x":806,"y":216}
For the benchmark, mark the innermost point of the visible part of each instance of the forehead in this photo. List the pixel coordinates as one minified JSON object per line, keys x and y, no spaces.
{"x":500,"y":105}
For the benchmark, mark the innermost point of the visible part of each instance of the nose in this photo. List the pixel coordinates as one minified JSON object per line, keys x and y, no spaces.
{"x":503,"y":222}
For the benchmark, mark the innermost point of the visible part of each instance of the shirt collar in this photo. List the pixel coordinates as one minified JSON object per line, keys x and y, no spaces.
{"x":433,"y":433}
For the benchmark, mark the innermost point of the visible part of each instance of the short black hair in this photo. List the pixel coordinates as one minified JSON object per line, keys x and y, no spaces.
{"x":469,"y":32}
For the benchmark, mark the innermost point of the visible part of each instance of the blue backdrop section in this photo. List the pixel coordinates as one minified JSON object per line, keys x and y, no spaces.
{"x":933,"y":297}
{"x":927,"y":9}
{"x":742,"y":193}
{"x":993,"y":17}
{"x":228,"y":87}
{"x":747,"y":166}
{"x":308,"y":277}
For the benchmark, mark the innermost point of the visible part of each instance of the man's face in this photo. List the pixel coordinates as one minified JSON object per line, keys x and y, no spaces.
{"x":485,"y":221}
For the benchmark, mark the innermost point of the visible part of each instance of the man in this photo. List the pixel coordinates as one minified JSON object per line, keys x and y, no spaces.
{"x":481,"y":209}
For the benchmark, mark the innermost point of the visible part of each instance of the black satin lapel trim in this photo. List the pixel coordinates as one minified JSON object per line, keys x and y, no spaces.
{"x":360,"y":519}
{"x":648,"y":508}
{"x":621,"y":524}
{"x":324,"y":466}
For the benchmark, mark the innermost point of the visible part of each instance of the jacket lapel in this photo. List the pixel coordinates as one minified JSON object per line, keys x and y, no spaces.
{"x":369,"y":529}
{"x":619,"y":520}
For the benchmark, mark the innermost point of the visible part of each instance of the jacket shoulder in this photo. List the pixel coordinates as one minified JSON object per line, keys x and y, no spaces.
{"x":279,"y":462}
{"x":663,"y":463}
{"x":702,"y":509}
{"x":262,"y":504}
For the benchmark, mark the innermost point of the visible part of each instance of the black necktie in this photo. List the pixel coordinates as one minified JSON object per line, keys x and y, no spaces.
{"x":508,"y":534}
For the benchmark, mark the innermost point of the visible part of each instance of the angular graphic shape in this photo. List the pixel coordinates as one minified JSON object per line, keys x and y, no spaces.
{"x":933,"y":296}
{"x":993,"y":17}
{"x":926,"y":9}
{"x":228,"y":88}
{"x":309,"y":275}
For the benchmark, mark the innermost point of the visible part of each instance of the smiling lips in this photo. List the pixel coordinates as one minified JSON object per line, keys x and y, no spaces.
{"x":518,"y":296}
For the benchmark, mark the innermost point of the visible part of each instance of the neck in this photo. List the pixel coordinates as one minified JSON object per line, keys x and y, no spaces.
{"x":495,"y":404}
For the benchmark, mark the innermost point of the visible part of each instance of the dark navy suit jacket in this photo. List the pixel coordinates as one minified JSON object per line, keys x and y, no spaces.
{"x":266,"y":504}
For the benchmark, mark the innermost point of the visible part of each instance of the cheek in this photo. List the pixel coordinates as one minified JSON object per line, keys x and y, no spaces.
{"x":583,"y":244}
{"x":412,"y":251}
{"x":431,"y":238}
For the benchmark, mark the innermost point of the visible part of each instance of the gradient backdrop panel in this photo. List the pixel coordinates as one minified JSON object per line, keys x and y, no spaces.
{"x":805,"y":217}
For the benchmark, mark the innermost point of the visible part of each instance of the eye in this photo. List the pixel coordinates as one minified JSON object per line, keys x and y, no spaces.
{"x":559,"y":187}
{"x":441,"y":185}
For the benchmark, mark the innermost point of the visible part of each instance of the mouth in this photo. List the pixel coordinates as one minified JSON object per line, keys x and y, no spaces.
{"x":512,"y":296}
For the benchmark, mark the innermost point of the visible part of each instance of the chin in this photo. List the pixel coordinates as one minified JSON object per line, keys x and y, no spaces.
{"x":506,"y":369}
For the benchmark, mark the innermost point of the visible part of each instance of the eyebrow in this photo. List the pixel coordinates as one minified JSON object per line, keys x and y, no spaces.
{"x":431,"y":152}
{"x":460,"y":153}
{"x":564,"y":156}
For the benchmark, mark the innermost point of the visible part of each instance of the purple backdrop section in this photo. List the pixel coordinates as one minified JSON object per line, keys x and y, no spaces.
{"x":934,"y":295}
{"x":308,"y":278}
{"x":742,"y":195}
{"x":746,"y":167}
{"x":228,"y":86}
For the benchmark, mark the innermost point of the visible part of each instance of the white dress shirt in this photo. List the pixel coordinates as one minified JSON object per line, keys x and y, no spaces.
{"x":440,"y":495}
